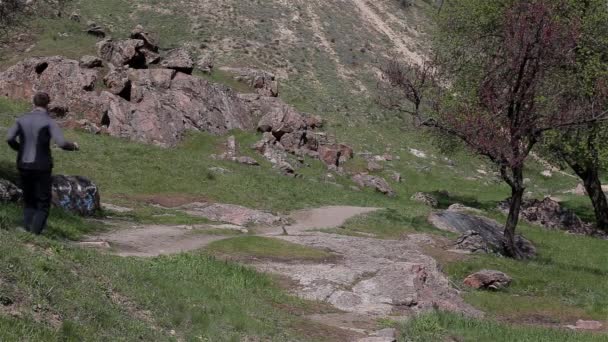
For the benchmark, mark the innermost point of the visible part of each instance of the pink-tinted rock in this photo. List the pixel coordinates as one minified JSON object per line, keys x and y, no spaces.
{"x":488,"y":280}
{"x":122,"y":52}
{"x":335,"y":154}
{"x":70,"y":86}
{"x":178,"y":59}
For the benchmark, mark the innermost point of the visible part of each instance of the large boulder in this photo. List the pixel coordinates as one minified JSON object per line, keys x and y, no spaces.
{"x":164,"y":104}
{"x":374,"y":182}
{"x":150,"y":41}
{"x":123,"y":52}
{"x":550,"y":214}
{"x":335,"y":155}
{"x":488,"y":280}
{"x":70,"y":85}
{"x":76,"y":194}
{"x":489,"y":230}
{"x":179,"y":60}
{"x":279,"y":118}
{"x":90,"y":62}
{"x":9,"y":192}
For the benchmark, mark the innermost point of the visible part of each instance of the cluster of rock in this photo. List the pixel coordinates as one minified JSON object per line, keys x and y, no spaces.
{"x":74,"y":194}
{"x":147,"y":97}
{"x":478,"y":234}
{"x":550,"y":214}
{"x":151,"y":97}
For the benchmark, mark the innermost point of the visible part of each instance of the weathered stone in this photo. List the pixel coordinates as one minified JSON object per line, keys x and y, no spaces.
{"x":488,"y":280}
{"x":117,"y":82}
{"x":9,"y":192}
{"x":490,"y":230}
{"x":76,"y":194}
{"x":314,"y":121}
{"x":150,"y":42}
{"x":90,"y":62}
{"x":426,"y":199}
{"x":96,"y":30}
{"x":71,"y":86}
{"x":335,"y":154}
{"x":550,"y":214}
{"x":280,"y":118}
{"x":229,"y":213}
{"x":165,"y":104}
{"x":457,"y":207}
{"x":472,"y":242}
{"x":123,"y":52}
{"x":365,"y":180}
{"x":180,"y":60}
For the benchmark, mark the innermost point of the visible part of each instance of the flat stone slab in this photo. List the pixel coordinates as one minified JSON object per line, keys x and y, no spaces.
{"x":230,"y":213}
{"x":371,"y":276}
{"x":489,"y":230}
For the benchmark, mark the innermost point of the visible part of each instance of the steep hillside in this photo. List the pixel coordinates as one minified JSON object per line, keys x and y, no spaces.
{"x":327,"y":56}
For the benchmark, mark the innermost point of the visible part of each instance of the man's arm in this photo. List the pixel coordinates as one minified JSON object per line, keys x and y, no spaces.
{"x":57,"y":135}
{"x":11,"y":138}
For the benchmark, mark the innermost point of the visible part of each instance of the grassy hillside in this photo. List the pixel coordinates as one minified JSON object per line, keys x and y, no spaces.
{"x":327,"y":54}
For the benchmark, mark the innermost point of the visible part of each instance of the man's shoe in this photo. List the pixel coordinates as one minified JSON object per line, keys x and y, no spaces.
{"x":21,"y":230}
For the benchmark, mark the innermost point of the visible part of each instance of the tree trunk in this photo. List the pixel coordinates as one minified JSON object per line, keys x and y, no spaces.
{"x":591,"y":180}
{"x":517,"y":194}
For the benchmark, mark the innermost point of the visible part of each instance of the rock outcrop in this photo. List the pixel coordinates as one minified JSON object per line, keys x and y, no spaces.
{"x":126,"y":52}
{"x":179,"y":60}
{"x":163,"y":104}
{"x":71,"y":85}
{"x":488,"y":280}
{"x":489,"y":230}
{"x":76,"y":194}
{"x":289,"y":132}
{"x":148,"y":105}
{"x":550,"y":214}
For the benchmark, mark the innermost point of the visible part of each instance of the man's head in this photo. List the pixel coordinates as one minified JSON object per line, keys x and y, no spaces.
{"x":42,"y":100}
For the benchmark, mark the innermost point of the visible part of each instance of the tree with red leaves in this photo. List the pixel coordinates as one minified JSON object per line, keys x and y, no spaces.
{"x":498,"y":85}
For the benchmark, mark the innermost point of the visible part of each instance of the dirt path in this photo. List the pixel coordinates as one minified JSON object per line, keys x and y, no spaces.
{"x":369,"y":279}
{"x":153,"y":240}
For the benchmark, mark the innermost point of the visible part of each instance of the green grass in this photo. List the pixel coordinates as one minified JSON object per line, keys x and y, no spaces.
{"x":261,"y":247}
{"x":390,"y":224}
{"x":566,"y":282}
{"x":61,"y":292}
{"x":440,"y":326}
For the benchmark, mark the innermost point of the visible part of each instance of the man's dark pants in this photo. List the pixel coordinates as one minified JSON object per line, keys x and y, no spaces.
{"x":37,"y":197}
